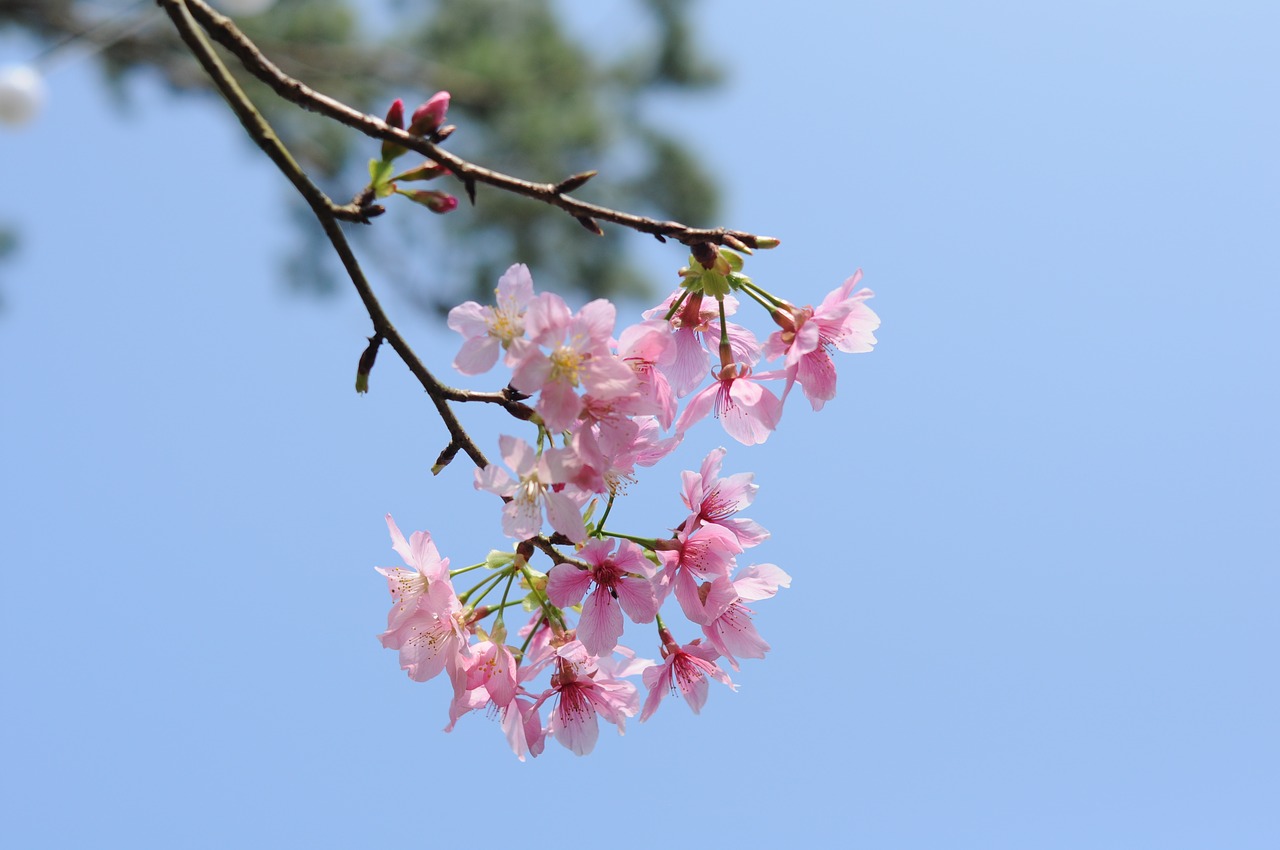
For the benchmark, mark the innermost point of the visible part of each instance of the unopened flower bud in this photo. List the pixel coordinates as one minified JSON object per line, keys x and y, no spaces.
{"x":365,"y":366}
{"x":395,"y":118}
{"x":428,"y":117}
{"x":432,"y":199}
{"x":577,"y":181}
{"x":427,"y":171}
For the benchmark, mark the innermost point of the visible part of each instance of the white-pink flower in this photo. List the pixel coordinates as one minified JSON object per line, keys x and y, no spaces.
{"x":623,"y":582}
{"x":432,"y":637}
{"x":537,"y":486}
{"x":408,"y":585}
{"x":485,"y":330}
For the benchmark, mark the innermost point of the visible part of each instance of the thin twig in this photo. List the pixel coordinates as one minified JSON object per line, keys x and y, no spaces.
{"x":326,"y":212}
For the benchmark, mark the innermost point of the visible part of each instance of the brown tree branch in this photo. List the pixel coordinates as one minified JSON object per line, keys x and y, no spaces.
{"x":327,"y":213}
{"x":225,"y":32}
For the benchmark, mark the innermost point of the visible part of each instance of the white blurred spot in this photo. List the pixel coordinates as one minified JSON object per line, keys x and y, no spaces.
{"x":21,"y":94}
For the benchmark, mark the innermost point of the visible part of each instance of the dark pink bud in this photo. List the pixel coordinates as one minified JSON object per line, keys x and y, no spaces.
{"x":429,"y":116}
{"x":434,"y":200}
{"x":395,"y":115}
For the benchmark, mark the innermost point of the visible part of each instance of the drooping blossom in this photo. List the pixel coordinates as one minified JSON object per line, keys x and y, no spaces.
{"x":585,"y":692}
{"x":686,"y":669}
{"x":731,"y":630}
{"x":843,"y":321}
{"x":696,"y":318}
{"x":748,"y":411}
{"x":715,"y":500}
{"x":485,"y":330}
{"x":577,"y":355}
{"x":533,"y":490}
{"x":623,"y":581}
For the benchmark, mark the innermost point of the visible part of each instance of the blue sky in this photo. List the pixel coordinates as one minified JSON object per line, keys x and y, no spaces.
{"x":1032,"y":540}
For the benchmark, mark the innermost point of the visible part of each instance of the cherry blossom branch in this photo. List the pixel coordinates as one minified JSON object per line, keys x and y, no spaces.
{"x":328,"y":214}
{"x":225,"y":32}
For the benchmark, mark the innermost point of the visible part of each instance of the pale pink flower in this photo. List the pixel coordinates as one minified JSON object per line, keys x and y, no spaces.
{"x":715,"y":500}
{"x":696,"y":318}
{"x":578,"y":355}
{"x":623,"y":582}
{"x":843,"y":321}
{"x":433,"y":636}
{"x":533,"y":489}
{"x":748,"y":411}
{"x":522,"y":725}
{"x":647,"y":348}
{"x":698,"y":553}
{"x":611,"y":449}
{"x":685,"y":668}
{"x":408,"y":585}
{"x":485,"y":330}
{"x":731,"y":630}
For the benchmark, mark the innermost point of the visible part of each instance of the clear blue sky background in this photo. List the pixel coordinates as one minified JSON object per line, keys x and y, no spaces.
{"x":1033,"y":539}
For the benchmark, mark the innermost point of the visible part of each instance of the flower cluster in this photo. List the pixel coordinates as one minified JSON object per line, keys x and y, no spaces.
{"x":603,"y":406}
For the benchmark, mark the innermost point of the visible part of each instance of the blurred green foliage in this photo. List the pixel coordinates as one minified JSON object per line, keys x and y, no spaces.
{"x":529,"y":98}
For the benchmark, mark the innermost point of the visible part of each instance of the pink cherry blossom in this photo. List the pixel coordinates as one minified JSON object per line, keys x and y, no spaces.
{"x":842,"y":321}
{"x":533,"y":490}
{"x":696,"y":318}
{"x":408,"y":585}
{"x":715,"y":500}
{"x":585,"y":692}
{"x":686,"y":668}
{"x":698,"y":553}
{"x":578,"y":355}
{"x":485,"y":330}
{"x":433,"y":636}
{"x":647,"y":348}
{"x":623,"y":578}
{"x":610,"y":450}
{"x":731,"y":630}
{"x":748,"y":411}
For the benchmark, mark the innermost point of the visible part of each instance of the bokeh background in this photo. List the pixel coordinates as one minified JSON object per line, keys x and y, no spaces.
{"x":1033,"y":540}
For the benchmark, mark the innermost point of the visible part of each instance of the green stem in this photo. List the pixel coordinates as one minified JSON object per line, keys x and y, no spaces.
{"x":461,"y":570}
{"x":684,"y":293}
{"x":608,"y":507}
{"x":649,"y":543}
